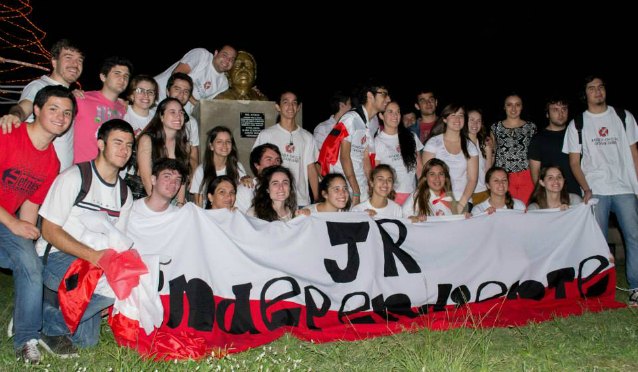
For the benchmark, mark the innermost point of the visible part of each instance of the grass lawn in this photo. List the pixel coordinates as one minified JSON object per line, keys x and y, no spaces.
{"x":602,"y":341}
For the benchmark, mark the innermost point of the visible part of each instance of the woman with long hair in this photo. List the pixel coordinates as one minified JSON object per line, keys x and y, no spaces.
{"x":164,"y":137}
{"x":550,"y":191}
{"x":511,"y":138}
{"x":500,"y":197}
{"x":275,"y":196}
{"x":381,"y":192}
{"x":400,"y":148}
{"x":335,"y":196}
{"x":477,"y":133}
{"x":433,"y":196}
{"x":455,"y":148}
{"x":220,"y":158}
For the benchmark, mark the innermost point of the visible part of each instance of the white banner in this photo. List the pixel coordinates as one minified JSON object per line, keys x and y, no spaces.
{"x":353,"y":269}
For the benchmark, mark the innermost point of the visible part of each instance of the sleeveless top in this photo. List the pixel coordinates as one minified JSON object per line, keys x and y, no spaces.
{"x":512,"y":144}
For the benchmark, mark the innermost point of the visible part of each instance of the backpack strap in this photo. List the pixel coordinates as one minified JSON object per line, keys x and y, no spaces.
{"x":123,"y":191}
{"x":578,"y":121}
{"x":622,"y":115}
{"x":86,"y":175}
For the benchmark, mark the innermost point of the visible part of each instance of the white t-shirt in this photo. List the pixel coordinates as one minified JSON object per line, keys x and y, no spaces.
{"x":63,"y":144}
{"x":312,"y":208}
{"x":482,"y":207}
{"x":573,"y":200}
{"x":137,"y":121}
{"x":388,"y":152}
{"x":607,"y":162}
{"x":244,"y":196}
{"x":192,"y":131}
{"x":359,"y":138}
{"x":207,"y":82}
{"x":140,"y":211}
{"x":298,"y":150}
{"x":198,"y":178}
{"x":391,"y":210}
{"x":322,"y":130}
{"x":480,"y":182}
{"x":456,"y":162}
{"x":58,"y":206}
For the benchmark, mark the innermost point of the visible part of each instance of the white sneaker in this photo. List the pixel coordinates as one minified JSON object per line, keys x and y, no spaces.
{"x":29,"y":352}
{"x":10,"y":330}
{"x":633,"y":298}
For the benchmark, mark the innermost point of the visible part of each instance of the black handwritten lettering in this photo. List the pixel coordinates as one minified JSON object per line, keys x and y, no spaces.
{"x":392,"y":249}
{"x":283,"y":317}
{"x":349,"y":233}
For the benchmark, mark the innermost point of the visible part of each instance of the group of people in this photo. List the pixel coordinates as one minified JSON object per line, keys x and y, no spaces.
{"x":362,"y":159}
{"x":45,"y":198}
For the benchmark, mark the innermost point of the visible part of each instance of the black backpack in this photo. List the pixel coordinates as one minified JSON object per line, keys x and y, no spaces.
{"x":87,"y":177}
{"x":578,"y":121}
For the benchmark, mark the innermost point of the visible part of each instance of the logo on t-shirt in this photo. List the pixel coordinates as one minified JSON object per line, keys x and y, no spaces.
{"x":290,"y":148}
{"x":603,"y":132}
{"x":398,"y":148}
{"x":105,"y":113}
{"x":20,"y":182}
{"x":207,"y":85}
{"x":363,"y":140}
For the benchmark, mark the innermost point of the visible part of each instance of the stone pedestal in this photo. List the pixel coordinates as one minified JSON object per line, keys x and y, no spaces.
{"x":244,"y":118}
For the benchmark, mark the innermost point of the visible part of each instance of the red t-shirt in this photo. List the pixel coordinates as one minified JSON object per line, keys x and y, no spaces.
{"x":26,"y":173}
{"x":424,"y":130}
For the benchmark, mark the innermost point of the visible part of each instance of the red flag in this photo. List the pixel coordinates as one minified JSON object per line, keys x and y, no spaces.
{"x":122,"y":271}
{"x":76,"y":289}
{"x":329,"y":154}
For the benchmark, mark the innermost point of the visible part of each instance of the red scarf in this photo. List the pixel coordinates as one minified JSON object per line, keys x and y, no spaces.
{"x":440,"y":200}
{"x":329,"y":154}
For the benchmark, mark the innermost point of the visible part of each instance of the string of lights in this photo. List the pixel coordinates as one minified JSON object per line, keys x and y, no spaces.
{"x":22,"y":53}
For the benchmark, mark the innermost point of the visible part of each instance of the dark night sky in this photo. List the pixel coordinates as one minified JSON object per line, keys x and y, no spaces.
{"x":469,"y":55}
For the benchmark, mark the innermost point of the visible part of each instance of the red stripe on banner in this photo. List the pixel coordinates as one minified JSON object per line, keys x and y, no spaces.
{"x":187,"y":334}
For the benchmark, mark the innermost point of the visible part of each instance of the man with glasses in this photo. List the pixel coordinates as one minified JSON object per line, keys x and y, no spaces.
{"x":604,"y":159}
{"x":351,"y":138}
{"x":67,"y":61}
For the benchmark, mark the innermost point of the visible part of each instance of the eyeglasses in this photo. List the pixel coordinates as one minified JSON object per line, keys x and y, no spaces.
{"x":148,"y":92}
{"x":382,"y":93}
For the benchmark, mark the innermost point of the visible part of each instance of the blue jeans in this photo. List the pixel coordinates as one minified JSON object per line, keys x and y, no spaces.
{"x":625,"y":206}
{"x":18,"y":254}
{"x":88,"y":331}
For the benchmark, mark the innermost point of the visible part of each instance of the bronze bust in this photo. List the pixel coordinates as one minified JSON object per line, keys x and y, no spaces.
{"x":242,"y":79}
